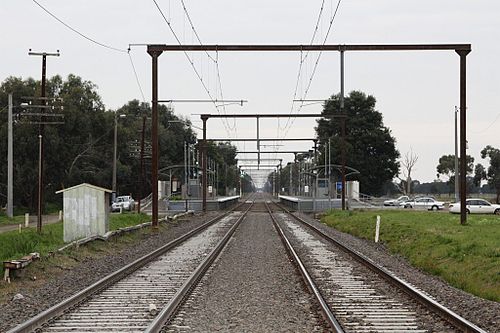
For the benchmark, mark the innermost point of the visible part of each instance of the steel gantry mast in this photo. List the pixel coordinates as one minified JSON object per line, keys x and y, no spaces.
{"x":155,"y":50}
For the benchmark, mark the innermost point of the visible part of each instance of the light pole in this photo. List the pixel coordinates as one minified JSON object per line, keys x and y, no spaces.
{"x":113,"y":186}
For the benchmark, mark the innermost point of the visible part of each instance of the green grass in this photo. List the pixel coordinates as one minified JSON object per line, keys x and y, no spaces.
{"x":17,"y":219}
{"x":467,"y":257}
{"x":15,"y":244}
{"x":117,"y":221}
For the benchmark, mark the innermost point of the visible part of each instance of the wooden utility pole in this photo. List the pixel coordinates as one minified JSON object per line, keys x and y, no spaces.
{"x":41,"y":132}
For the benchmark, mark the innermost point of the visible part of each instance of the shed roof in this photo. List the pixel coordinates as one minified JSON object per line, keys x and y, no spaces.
{"x":86,"y":185}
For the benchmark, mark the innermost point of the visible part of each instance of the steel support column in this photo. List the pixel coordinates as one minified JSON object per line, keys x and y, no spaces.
{"x":154,"y":138}
{"x":463,"y":138}
{"x":204,"y":163}
{"x":343,"y":127}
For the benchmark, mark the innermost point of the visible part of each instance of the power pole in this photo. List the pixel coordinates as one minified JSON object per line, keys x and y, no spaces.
{"x":10,"y":168}
{"x":41,"y":132}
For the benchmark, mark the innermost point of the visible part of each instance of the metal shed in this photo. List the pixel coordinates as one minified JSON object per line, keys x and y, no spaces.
{"x":85,"y":211}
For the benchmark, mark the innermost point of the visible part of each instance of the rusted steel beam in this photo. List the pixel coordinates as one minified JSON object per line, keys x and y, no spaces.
{"x":332,"y":47}
{"x":274,"y":115}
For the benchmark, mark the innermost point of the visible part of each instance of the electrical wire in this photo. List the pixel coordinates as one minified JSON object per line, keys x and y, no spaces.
{"x":314,"y":69}
{"x":191,"y":62}
{"x":489,"y":126}
{"x":136,"y":76}
{"x":97,"y":43}
{"x":78,"y":32}
{"x":214,"y":60}
{"x":303,"y":59}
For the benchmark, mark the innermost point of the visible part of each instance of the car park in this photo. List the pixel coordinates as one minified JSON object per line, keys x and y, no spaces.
{"x":125,"y":202}
{"x":423,"y":203}
{"x":396,"y":202}
{"x":476,"y":206}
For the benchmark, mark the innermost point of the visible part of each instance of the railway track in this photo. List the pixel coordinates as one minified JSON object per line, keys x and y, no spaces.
{"x":352,"y":292}
{"x":354,"y":298}
{"x":138,"y":297}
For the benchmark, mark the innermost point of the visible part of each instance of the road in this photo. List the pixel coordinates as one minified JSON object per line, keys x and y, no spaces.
{"x":46,"y":219}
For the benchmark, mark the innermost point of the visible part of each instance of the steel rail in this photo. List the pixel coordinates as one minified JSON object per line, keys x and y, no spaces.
{"x":168,"y":311}
{"x":58,"y":309}
{"x":447,"y":314}
{"x":325,"y":309}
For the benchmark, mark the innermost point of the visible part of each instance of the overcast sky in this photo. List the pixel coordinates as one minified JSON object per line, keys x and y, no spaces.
{"x":415,"y":91}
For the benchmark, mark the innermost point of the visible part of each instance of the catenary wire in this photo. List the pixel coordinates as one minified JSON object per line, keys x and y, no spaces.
{"x":136,"y":76}
{"x":314,"y":68}
{"x":303,"y":59}
{"x":214,"y":60}
{"x":190,"y":62}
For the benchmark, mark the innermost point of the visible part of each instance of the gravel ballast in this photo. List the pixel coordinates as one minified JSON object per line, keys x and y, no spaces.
{"x":40,"y":295}
{"x":252,"y":287}
{"x":483,"y":313}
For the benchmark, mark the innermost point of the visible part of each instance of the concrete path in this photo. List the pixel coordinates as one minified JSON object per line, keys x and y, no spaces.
{"x":46,"y":219}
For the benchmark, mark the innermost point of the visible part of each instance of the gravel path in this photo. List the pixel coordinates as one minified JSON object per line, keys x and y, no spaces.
{"x":484,"y":313}
{"x":39,"y":296}
{"x":252,"y":287}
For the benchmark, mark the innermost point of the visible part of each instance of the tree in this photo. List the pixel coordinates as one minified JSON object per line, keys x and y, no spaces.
{"x":446,"y":166}
{"x":81,"y":149}
{"x":408,"y":162}
{"x":493,"y":173}
{"x":370,"y":147}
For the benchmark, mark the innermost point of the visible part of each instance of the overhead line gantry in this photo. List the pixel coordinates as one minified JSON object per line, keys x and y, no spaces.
{"x":155,"y":50}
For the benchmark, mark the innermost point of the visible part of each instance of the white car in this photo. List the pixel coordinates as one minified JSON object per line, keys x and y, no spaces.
{"x":476,"y":206}
{"x":396,"y":202}
{"x":125,"y":202}
{"x":423,"y":203}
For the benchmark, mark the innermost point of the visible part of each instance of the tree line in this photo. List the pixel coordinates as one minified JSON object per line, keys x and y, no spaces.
{"x":81,"y":149}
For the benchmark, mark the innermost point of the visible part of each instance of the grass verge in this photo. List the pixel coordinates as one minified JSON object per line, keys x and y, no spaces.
{"x":16,"y":219}
{"x":467,"y":257}
{"x":14,"y":244}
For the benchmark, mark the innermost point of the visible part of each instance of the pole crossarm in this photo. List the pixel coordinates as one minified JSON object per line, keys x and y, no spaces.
{"x":330,"y":47}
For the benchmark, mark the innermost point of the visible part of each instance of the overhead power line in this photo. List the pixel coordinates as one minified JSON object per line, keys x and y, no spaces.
{"x":136,"y":76}
{"x":291,"y":120}
{"x":78,"y":32}
{"x":95,"y":42}
{"x":214,"y":60}
{"x":191,"y":62}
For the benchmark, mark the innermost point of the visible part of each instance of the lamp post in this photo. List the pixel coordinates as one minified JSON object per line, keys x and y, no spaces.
{"x":113,"y":186}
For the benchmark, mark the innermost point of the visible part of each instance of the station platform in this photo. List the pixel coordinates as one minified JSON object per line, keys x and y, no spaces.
{"x":310,"y":204}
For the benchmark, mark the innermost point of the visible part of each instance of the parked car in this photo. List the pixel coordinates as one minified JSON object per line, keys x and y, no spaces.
{"x":396,"y":202}
{"x":476,"y":206}
{"x":423,"y":203}
{"x":125,"y":202}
